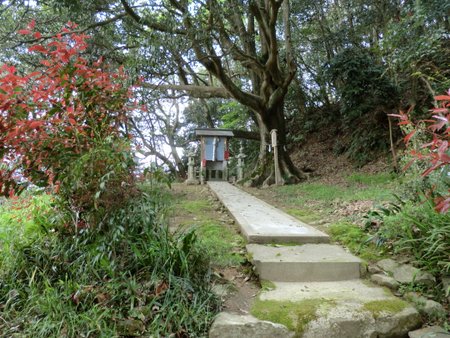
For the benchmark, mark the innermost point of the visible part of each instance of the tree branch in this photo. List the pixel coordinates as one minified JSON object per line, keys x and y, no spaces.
{"x":150,"y":24}
{"x":193,"y":90}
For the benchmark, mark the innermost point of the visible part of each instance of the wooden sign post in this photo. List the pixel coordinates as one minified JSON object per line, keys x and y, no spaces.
{"x":278,"y":178}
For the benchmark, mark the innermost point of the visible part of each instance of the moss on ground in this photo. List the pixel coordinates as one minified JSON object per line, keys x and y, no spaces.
{"x":294,"y":315}
{"x":358,"y":241}
{"x":267,"y":285}
{"x":393,"y":306}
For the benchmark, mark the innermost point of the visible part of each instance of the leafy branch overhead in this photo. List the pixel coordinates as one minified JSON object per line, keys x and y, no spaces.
{"x":52,"y":116}
{"x":435,"y":152}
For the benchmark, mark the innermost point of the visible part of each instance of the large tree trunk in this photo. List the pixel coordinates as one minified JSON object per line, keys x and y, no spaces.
{"x":263,"y":173}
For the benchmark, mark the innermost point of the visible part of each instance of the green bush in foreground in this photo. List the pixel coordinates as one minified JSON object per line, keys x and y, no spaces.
{"x":134,"y":278}
{"x":417,"y":229}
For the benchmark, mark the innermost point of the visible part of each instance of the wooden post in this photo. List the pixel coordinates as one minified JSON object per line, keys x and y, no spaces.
{"x":278,"y":178}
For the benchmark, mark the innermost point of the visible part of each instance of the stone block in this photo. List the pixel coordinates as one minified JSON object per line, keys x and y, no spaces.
{"x":408,"y":274}
{"x":429,"y":332}
{"x":388,"y":265}
{"x":384,"y":280}
{"x":229,"y":325}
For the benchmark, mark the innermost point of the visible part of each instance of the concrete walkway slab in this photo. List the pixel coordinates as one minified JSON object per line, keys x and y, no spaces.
{"x":304,"y":263}
{"x":353,"y":291}
{"x":262,"y":223}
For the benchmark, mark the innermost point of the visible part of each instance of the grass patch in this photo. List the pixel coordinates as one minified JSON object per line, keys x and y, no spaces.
{"x":324,"y":194}
{"x":303,"y":215}
{"x":356,"y":240}
{"x":222,"y":243}
{"x":392,"y":306}
{"x":195,"y":206}
{"x":374,"y":179}
{"x":294,"y":315}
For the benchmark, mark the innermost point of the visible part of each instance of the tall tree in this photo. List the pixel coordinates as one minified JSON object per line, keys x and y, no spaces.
{"x":245,"y":49}
{"x":234,"y":49}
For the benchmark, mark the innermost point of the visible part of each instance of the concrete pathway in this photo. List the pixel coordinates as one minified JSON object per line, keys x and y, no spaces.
{"x":310,"y":274}
{"x":262,"y":223}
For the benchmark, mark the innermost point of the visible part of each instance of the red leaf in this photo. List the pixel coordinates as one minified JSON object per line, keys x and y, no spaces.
{"x":438,"y":126}
{"x":408,"y":137}
{"x":32,"y":24}
{"x":442,"y":98}
{"x":36,"y":124}
{"x":430,"y":169}
{"x":443,"y":147}
{"x":37,"y":35}
{"x":406,"y":167}
{"x":24,"y":32}
{"x":439,"y":110}
{"x":37,"y":48}
{"x":443,"y":204}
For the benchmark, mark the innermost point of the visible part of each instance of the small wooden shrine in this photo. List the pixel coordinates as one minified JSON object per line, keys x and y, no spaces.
{"x":214,"y":153}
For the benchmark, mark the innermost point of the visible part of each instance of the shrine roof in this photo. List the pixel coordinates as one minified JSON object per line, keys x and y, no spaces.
{"x":214,"y":132}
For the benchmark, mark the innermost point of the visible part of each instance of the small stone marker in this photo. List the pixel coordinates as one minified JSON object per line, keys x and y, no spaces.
{"x":191,"y":180}
{"x":240,"y":165}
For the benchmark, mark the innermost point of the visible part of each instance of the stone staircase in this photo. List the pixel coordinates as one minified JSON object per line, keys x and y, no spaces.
{"x":315,"y":288}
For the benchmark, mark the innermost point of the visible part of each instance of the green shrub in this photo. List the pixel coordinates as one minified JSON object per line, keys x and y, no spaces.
{"x":131,"y":278}
{"x":417,"y":229}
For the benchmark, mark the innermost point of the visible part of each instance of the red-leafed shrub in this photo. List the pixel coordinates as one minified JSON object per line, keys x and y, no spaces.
{"x":60,"y":126}
{"x":435,"y":152}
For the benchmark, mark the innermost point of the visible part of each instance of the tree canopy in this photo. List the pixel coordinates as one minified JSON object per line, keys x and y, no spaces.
{"x":343,"y":65}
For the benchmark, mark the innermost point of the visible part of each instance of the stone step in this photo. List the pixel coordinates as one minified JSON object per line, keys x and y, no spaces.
{"x":304,"y":263}
{"x":262,"y":223}
{"x":342,"y":309}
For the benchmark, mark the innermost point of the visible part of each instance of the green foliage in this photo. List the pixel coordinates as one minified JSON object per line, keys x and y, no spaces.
{"x":366,"y":94}
{"x":96,"y":183}
{"x":359,"y":80}
{"x":22,"y":221}
{"x":416,"y":51}
{"x":357,"y":240}
{"x":420,"y":231}
{"x":132,"y":278}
